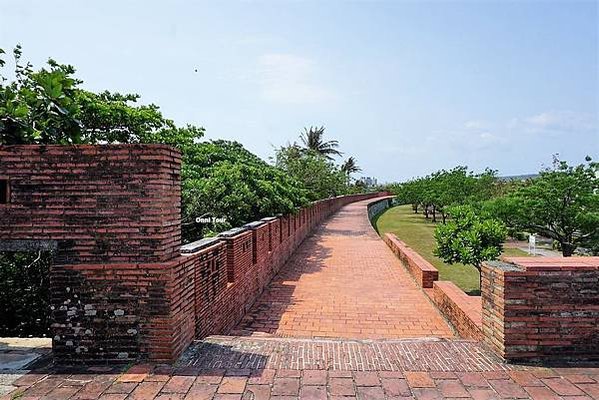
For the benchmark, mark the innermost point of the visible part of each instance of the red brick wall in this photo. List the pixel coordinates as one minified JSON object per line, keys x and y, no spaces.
{"x":461,"y":310}
{"x":119,"y":203}
{"x":121,"y":289}
{"x":260,"y":241}
{"x":421,"y":270}
{"x":239,"y":252}
{"x":542,"y":309}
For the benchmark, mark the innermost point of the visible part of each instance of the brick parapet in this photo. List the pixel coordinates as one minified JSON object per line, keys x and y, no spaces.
{"x":464,"y":312}
{"x":421,"y":270}
{"x":123,"y":288}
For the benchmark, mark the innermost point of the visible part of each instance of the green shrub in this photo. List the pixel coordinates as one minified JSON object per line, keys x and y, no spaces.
{"x":24,"y":294}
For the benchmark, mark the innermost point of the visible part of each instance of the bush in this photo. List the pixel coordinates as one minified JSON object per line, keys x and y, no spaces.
{"x":24,"y":294}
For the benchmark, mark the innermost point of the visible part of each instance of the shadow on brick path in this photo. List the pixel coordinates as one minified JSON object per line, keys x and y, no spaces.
{"x":343,"y":282}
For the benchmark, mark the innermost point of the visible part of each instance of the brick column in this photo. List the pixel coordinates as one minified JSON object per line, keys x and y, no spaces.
{"x":542,"y":309}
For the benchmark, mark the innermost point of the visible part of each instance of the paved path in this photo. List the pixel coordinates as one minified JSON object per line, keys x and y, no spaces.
{"x":234,"y":376}
{"x":343,"y":282}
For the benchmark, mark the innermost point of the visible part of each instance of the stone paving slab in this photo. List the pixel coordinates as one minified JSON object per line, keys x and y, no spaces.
{"x":190,"y":379}
{"x":16,"y":355}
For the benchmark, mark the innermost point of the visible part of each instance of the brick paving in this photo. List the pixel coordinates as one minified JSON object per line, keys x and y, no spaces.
{"x":343,"y":282}
{"x":238,"y":378}
{"x":311,"y":366}
{"x":340,"y":354}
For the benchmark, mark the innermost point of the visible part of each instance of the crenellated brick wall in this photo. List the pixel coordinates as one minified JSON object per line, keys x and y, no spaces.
{"x":123,"y":287}
{"x":542,"y":309}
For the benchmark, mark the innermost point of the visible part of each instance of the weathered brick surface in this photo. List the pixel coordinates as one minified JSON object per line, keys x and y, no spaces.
{"x":121,"y":289}
{"x":421,"y":270}
{"x":118,"y":203}
{"x":341,"y":355}
{"x":239,"y":252}
{"x":260,"y":241}
{"x":542,"y":309}
{"x":425,"y":381}
{"x":463,"y":312}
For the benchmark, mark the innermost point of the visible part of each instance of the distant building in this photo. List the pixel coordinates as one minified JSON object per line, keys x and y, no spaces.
{"x":369,"y":181}
{"x":522,"y":177}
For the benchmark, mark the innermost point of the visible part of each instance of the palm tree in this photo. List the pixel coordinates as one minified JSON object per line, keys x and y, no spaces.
{"x":350,"y":166}
{"x":313,"y":140}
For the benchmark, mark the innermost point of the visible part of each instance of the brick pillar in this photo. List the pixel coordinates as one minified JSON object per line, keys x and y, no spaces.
{"x":542,"y":309}
{"x":260,"y":240}
{"x":113,"y":213}
{"x":239,"y":252}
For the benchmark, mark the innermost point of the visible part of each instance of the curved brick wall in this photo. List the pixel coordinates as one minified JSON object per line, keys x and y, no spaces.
{"x":377,"y":207}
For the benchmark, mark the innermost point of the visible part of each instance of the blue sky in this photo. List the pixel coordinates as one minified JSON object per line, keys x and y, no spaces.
{"x":406,"y":87}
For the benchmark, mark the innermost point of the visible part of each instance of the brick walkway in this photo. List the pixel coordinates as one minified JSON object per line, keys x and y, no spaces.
{"x":331,"y":294}
{"x":343,"y":282}
{"x":229,"y":368}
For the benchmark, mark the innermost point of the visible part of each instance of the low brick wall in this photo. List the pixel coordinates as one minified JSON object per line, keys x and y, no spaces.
{"x":377,"y":207}
{"x":462,"y":311}
{"x":542,"y":309}
{"x":421,"y":270}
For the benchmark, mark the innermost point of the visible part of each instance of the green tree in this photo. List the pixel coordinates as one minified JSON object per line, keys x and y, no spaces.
{"x":562,"y":203}
{"x":469,"y":237}
{"x":222,"y":179}
{"x":350,"y":166}
{"x":318,"y":175}
{"x":313,"y":139}
{"x":218,"y":178}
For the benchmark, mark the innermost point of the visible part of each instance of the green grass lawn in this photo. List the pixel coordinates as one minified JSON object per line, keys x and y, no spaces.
{"x":418,"y":233}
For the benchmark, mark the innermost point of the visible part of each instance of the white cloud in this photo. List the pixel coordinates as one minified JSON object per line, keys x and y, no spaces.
{"x":291,"y":79}
{"x":555,"y":121}
{"x":475,"y":124}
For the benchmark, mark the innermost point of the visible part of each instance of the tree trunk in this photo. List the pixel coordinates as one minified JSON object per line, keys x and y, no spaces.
{"x":480,"y":278}
{"x":415,"y":208}
{"x":568,"y":249}
{"x":434,"y":214}
{"x":444,"y":216}
{"x":426,"y":212}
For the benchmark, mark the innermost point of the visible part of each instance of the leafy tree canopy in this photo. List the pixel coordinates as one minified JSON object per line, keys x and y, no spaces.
{"x":223,"y":179}
{"x":321,"y":177}
{"x":562,"y":204}
{"x":469,"y":237}
{"x":313,"y":140}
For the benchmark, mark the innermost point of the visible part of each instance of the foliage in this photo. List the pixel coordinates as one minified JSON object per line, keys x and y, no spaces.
{"x":469,"y":237}
{"x":313,"y":139}
{"x":223,"y":179}
{"x":48,"y":106}
{"x":320,"y":177}
{"x":24,"y":294}
{"x":39,"y":107}
{"x":562,"y":204}
{"x":350,"y":166}
{"x":436,"y":192}
{"x":219,"y":178}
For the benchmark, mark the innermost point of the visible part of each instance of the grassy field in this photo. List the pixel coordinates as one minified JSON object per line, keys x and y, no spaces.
{"x":417,"y":232}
